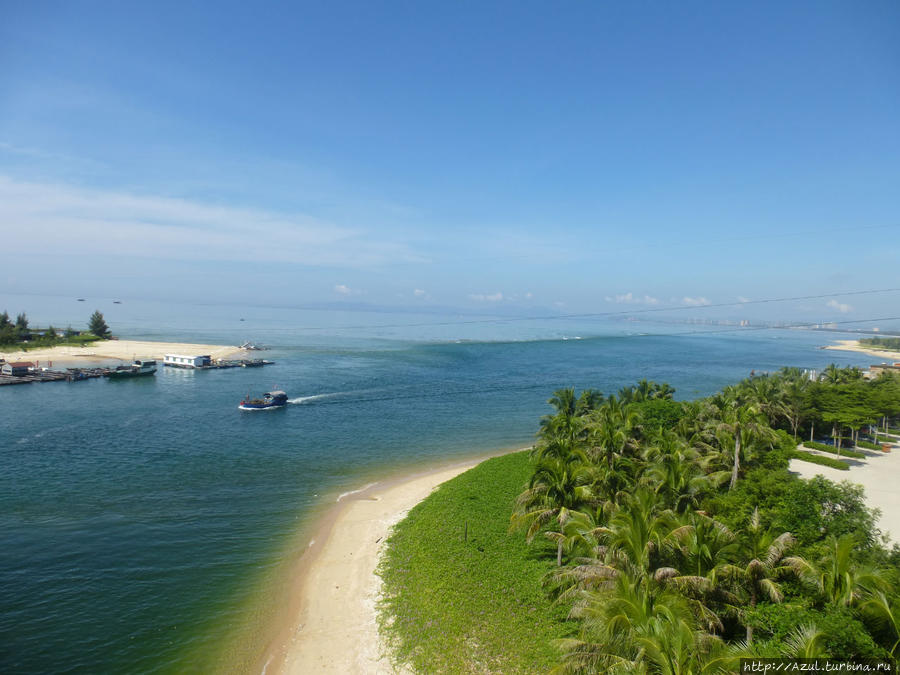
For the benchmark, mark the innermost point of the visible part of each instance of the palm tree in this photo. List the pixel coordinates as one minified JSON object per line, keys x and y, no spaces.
{"x":676,"y":472}
{"x":806,"y":642}
{"x":664,"y":391}
{"x":764,"y":394}
{"x":884,"y":612}
{"x":837,"y":576}
{"x":556,"y":488}
{"x":578,"y":533}
{"x":766,"y":563}
{"x":613,"y":431}
{"x":635,"y":625}
{"x":588,"y":400}
{"x":561,"y":422}
{"x":743,"y":426}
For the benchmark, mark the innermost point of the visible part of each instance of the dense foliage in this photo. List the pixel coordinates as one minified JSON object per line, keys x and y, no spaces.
{"x":881,"y":343}
{"x":19,"y":334}
{"x":682,"y":541}
{"x":659,"y":537}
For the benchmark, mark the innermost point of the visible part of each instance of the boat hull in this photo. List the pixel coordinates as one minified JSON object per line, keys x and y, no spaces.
{"x":271,"y":399}
{"x":125,"y":374}
{"x":263,"y":406}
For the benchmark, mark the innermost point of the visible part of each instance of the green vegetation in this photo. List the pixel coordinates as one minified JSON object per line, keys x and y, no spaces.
{"x":670,"y":538}
{"x":881,"y":343}
{"x":824,"y":447}
{"x":478,"y":606}
{"x":868,"y":446}
{"x":823,"y":461}
{"x":97,"y":325}
{"x":19,"y":335}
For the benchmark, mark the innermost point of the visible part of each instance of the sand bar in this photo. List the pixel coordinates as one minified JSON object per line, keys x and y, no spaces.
{"x":124,"y":350}
{"x":878,"y":473}
{"x":854,"y":346}
{"x":335,"y":630}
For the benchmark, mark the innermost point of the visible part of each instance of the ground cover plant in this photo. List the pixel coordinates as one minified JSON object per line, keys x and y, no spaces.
{"x":671,"y":536}
{"x":833,"y":450}
{"x":461,"y":593}
{"x":822,"y":461}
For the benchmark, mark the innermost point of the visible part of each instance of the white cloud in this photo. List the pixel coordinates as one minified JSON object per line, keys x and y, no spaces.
{"x":631,"y":299}
{"x":529,"y":295}
{"x":694,"y":302}
{"x":63,"y":219}
{"x":741,"y":298}
{"x":839,"y":306}
{"x":343,"y":290}
{"x":489,"y":297}
{"x":419,"y":293}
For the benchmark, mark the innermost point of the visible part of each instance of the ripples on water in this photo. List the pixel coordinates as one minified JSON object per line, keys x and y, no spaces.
{"x":141,"y":519}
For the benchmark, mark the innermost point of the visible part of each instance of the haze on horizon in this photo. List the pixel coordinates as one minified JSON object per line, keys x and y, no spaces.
{"x":507,"y":158}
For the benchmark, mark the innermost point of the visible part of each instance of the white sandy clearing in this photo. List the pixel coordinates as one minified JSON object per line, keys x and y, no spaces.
{"x":124,"y":350}
{"x":854,"y":346}
{"x":336,"y":631}
{"x":878,"y":473}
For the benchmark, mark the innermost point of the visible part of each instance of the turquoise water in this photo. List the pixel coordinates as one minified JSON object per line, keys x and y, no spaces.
{"x":140,"y":519}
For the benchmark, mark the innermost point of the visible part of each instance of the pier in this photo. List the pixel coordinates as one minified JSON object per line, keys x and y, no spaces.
{"x":79,"y":374}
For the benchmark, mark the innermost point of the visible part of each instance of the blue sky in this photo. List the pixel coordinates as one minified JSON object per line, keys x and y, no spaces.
{"x":512,"y":156}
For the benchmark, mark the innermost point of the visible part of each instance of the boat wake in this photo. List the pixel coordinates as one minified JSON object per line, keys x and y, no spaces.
{"x":301,"y":400}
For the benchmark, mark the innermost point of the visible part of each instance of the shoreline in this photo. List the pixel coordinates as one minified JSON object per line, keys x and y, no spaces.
{"x":855,"y":346}
{"x":117,"y":350}
{"x":331,"y":624}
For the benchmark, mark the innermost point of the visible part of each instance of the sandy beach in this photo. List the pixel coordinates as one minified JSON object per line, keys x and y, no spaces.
{"x":335,"y":630}
{"x":854,"y":346}
{"x":878,"y":473}
{"x":124,"y":350}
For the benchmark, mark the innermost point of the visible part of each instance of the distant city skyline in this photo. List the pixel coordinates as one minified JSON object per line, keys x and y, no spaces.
{"x":510,"y":158}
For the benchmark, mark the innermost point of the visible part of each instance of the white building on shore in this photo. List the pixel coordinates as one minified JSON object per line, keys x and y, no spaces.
{"x":183,"y":361}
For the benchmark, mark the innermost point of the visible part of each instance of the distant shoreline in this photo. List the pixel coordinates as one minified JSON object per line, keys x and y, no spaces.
{"x":855,"y":346}
{"x":121,"y":350}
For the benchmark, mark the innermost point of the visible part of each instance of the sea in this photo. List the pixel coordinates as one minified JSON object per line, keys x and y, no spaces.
{"x":149,"y":526}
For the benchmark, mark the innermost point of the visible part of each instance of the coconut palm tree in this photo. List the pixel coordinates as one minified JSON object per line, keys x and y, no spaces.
{"x":636,"y":625}
{"x":676,"y":471}
{"x":562,"y":422}
{"x":837,"y":576}
{"x":766,"y":562}
{"x":764,"y":394}
{"x":884,"y":611}
{"x":556,"y":488}
{"x":806,"y":642}
{"x":579,"y":534}
{"x":613,"y":431}
{"x":741,"y":426}
{"x":588,"y":400}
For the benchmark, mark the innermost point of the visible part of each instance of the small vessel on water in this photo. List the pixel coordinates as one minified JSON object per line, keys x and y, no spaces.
{"x":271,"y":399}
{"x":253,"y":347}
{"x":137,"y":369}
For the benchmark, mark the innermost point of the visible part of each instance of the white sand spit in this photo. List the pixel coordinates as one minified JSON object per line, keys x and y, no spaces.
{"x":336,"y":631}
{"x":123,"y":350}
{"x":854,"y":346}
